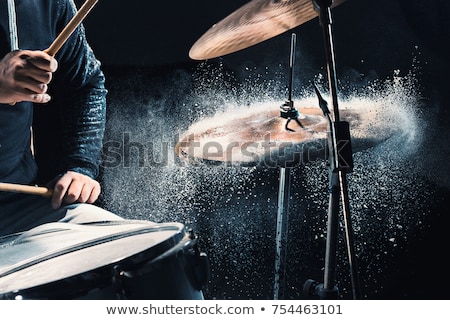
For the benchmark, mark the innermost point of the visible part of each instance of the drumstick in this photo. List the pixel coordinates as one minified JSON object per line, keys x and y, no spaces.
{"x":18,"y":188}
{"x":70,"y":27}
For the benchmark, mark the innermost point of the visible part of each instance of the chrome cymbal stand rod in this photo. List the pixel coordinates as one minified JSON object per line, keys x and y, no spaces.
{"x":284,"y":194}
{"x":291,"y":65}
{"x":282,"y":232}
{"x":341,"y":163}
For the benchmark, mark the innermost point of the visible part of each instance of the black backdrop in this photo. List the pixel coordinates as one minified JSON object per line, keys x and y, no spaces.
{"x":143,"y":45}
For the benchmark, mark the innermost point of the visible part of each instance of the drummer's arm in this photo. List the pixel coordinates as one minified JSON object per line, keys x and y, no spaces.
{"x":81,"y":95}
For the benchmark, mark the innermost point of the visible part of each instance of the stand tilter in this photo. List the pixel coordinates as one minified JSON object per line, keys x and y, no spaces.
{"x":287,"y":110}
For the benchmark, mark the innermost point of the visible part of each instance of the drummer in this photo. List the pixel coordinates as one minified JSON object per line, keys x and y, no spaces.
{"x":60,"y":145}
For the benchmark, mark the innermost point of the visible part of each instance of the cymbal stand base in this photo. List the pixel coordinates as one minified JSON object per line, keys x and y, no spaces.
{"x":313,"y":288}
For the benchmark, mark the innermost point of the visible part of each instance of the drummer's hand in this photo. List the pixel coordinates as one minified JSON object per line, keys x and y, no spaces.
{"x":25,"y":75}
{"x":74,"y":187}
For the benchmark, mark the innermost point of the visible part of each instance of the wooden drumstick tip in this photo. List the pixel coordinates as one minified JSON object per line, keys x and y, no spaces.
{"x":34,"y":190}
{"x":70,"y":27}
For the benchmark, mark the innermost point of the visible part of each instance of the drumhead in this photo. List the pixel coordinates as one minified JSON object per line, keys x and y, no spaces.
{"x":57,"y":251}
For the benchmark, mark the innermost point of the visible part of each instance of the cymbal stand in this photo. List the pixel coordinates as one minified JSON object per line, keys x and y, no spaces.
{"x":341,"y":163}
{"x":287,"y":111}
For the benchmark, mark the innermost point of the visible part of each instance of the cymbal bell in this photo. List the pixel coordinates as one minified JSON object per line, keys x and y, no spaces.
{"x":255,"y":22}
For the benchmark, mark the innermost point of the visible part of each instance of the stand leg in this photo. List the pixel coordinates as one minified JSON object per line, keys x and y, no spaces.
{"x":349,"y":238}
{"x":282,"y":233}
{"x":332,"y":234}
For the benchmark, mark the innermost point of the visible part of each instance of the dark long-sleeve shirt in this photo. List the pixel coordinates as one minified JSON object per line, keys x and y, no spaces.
{"x":69,"y":130}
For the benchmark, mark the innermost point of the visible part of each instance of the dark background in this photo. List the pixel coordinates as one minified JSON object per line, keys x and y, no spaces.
{"x":144,"y":46}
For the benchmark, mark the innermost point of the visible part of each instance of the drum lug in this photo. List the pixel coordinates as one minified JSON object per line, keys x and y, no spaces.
{"x":201,"y":270}
{"x":117,"y":282}
{"x":200,"y":264}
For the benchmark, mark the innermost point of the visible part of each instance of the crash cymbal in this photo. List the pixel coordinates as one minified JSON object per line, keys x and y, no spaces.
{"x":257,"y":137}
{"x":253,"y":23}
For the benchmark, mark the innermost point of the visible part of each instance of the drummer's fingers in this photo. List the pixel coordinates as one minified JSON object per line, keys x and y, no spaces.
{"x":73,"y":192}
{"x":89,"y":193}
{"x":77,"y":188}
{"x":94,"y":193}
{"x":42,"y":61}
{"x":34,"y":64}
{"x":24,"y":94}
{"x":60,"y":189}
{"x":33,"y":83}
{"x":38,"y":75}
{"x":27,"y":75}
{"x":33,"y":77}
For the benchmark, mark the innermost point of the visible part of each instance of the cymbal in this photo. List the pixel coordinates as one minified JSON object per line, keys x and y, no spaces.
{"x":257,"y":137}
{"x":253,"y":23}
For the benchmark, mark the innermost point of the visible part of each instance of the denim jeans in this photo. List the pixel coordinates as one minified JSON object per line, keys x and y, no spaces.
{"x":28,"y":211}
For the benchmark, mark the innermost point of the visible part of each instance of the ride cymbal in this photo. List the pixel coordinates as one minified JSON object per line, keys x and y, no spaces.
{"x":253,"y":23}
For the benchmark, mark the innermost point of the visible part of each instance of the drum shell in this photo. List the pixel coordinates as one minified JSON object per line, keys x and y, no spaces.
{"x":169,"y":277}
{"x":164,"y":271}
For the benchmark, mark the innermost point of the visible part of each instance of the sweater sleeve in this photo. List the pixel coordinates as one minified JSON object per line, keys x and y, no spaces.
{"x":81,"y":99}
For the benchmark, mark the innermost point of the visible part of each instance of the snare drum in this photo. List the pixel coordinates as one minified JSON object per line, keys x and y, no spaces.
{"x":123,"y":259}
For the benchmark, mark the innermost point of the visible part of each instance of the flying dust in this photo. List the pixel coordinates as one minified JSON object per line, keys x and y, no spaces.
{"x":233,"y":208}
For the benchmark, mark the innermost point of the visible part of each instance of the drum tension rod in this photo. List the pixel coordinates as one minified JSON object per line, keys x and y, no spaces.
{"x":199,"y":263}
{"x":118,"y":285}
